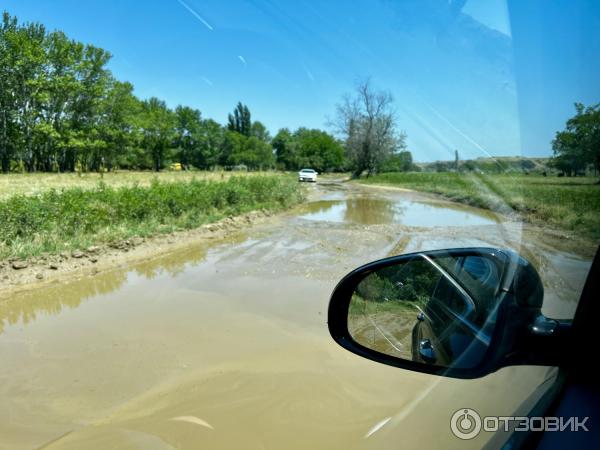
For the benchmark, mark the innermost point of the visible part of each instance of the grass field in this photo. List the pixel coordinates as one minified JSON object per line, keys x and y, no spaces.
{"x":55,"y":220}
{"x":35,"y":183}
{"x":569,"y":204}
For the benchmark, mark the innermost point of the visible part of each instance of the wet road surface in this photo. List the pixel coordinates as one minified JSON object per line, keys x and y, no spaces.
{"x":225,"y":345}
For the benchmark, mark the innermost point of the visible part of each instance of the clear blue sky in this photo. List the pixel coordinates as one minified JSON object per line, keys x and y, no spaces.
{"x":487,"y":77}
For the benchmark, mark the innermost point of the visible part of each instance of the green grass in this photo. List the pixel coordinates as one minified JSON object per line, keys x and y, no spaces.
{"x":36,"y":183}
{"x":567,"y":204}
{"x":71,"y":218}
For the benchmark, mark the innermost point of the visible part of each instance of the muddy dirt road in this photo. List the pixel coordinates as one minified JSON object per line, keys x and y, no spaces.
{"x":224,"y":345}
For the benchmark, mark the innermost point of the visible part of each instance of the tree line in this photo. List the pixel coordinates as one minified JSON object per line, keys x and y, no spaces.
{"x":62,"y":110}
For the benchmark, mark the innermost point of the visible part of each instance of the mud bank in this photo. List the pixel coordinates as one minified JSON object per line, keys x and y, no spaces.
{"x":17,"y":275}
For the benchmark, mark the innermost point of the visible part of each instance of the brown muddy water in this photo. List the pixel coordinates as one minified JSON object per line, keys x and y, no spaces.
{"x":225,"y":346}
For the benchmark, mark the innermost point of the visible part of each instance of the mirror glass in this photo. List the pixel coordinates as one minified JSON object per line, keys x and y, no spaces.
{"x":438,"y":311}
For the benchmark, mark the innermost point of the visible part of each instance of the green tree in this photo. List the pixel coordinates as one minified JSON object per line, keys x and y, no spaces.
{"x":22,"y":66}
{"x":8,"y":100}
{"x":61,"y":85}
{"x":87,"y":102}
{"x":157,"y":124}
{"x":283,"y":144}
{"x":188,"y":134}
{"x":249,"y":151}
{"x":30,"y":82}
{"x":398,"y":162}
{"x":118,"y":111}
{"x":578,"y":145}
{"x":246,"y":142}
{"x":317,"y":149}
{"x":240,"y":121}
{"x":259,"y":131}
{"x":211,"y":145}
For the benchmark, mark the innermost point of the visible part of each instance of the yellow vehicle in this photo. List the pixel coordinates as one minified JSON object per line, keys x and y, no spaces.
{"x":176,"y":167}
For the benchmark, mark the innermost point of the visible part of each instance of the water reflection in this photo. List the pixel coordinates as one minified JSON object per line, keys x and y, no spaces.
{"x":371,"y":211}
{"x":26,"y":306}
{"x":51,"y":300}
{"x":367,"y":211}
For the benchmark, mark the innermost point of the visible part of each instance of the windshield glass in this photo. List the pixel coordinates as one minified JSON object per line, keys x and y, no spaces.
{"x":165,"y":266}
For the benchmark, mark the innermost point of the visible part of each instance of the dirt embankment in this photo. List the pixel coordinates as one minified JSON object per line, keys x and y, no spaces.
{"x":17,"y":274}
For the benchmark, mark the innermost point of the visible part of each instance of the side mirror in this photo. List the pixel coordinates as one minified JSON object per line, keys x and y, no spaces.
{"x":461,"y":313}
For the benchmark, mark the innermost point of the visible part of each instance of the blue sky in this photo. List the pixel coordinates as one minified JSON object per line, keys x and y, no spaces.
{"x":486,"y":78}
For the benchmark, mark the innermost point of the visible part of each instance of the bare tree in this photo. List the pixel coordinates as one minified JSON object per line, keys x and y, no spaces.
{"x":367,"y":123}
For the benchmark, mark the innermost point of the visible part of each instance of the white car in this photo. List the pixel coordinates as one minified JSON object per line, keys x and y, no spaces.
{"x":307,"y":175}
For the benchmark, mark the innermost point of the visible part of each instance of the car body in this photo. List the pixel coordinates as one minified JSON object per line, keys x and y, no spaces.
{"x":308,"y":175}
{"x":479,"y":311}
{"x":447,"y":324}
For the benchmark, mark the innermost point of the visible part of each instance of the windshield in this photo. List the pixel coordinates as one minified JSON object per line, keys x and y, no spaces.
{"x":165,"y":266}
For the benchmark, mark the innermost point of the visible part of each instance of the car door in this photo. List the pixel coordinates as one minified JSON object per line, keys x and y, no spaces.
{"x":573,"y":391}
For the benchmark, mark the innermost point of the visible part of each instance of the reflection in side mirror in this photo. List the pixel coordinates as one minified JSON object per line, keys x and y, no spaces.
{"x":461,"y":313}
{"x":417,"y":311}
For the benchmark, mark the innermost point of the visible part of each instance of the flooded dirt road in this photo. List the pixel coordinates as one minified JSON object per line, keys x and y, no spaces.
{"x":225,"y":345}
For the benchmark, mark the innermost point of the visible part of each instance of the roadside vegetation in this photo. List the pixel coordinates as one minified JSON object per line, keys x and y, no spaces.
{"x":566,"y":203}
{"x":562,"y":192}
{"x":497,"y":164}
{"x":39,"y":182}
{"x":64,"y":220}
{"x":67,"y":123}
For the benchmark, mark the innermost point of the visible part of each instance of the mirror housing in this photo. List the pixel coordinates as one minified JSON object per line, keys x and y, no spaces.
{"x":516,"y":332}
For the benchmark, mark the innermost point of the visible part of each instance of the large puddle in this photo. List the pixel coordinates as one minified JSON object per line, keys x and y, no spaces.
{"x":225,"y":346}
{"x":371,"y":211}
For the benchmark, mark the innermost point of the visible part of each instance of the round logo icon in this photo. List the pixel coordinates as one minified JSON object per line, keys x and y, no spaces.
{"x":465,"y":424}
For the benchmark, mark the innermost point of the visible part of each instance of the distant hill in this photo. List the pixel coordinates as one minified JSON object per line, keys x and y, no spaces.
{"x":494,"y":164}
